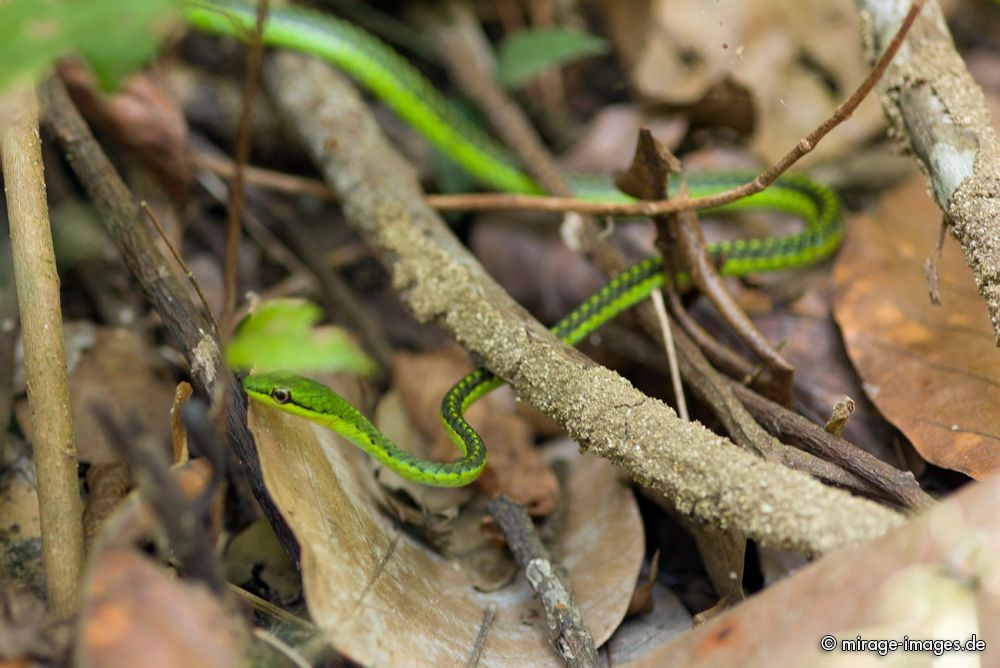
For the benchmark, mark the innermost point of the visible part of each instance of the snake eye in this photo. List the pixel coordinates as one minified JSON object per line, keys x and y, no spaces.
{"x":281,"y":395}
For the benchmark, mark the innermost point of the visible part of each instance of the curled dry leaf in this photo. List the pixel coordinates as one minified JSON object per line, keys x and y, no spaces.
{"x":780,"y":66}
{"x":383,"y":598}
{"x":934,"y":372}
{"x":137,"y":614}
{"x":514,"y":466}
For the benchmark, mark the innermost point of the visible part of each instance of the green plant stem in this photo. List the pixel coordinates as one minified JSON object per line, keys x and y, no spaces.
{"x":44,"y":355}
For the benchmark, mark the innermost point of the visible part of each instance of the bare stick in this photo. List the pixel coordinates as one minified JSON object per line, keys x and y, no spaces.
{"x":572,"y":640}
{"x":44,"y":354}
{"x":234,"y":224}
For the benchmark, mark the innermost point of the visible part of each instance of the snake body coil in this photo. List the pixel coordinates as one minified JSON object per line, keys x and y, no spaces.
{"x":382,"y":71}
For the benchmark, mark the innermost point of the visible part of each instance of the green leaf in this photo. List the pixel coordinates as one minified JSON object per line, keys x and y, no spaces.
{"x":280,"y":336}
{"x":114,"y":36}
{"x":527,"y":53}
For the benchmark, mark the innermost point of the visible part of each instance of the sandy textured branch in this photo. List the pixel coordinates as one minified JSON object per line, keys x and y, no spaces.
{"x":707,"y":476}
{"x":940,"y":113}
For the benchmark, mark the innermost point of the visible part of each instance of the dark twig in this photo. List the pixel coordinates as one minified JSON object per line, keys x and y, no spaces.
{"x":705,"y":276}
{"x":234,"y":221}
{"x":180,"y":516}
{"x":840,"y":463}
{"x":489,"y":614}
{"x":896,"y":485}
{"x":196,"y":336}
{"x":572,"y":640}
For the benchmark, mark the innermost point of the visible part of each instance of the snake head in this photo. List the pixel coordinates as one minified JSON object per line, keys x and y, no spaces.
{"x":277,"y":388}
{"x":294,"y":394}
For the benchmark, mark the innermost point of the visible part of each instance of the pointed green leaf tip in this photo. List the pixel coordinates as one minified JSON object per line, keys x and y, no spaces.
{"x":280,"y":335}
{"x":36,"y":33}
{"x":527,"y":53}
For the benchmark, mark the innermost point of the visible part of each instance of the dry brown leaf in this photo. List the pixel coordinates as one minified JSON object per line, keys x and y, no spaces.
{"x":514,"y":466}
{"x":798,"y":60}
{"x":383,"y":598}
{"x":935,"y":578}
{"x":178,"y":431}
{"x":141,"y":116}
{"x":934,"y":372}
{"x":136,"y":614}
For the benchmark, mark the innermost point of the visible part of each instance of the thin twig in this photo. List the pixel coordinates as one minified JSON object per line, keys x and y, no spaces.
{"x":572,"y":640}
{"x":489,"y":614}
{"x":668,"y":344}
{"x":255,"y":53}
{"x":281,"y":647}
{"x":37,"y":282}
{"x":177,"y":258}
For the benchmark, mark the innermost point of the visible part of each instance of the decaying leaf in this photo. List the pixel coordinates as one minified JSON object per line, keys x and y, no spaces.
{"x":934,"y":372}
{"x":383,"y":598}
{"x":136,"y":614}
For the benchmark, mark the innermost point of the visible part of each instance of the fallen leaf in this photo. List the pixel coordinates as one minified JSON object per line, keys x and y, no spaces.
{"x":136,"y":614}
{"x":383,"y":598}
{"x":934,"y":372}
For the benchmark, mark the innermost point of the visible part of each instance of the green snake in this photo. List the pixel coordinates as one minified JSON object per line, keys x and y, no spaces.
{"x":398,"y":84}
